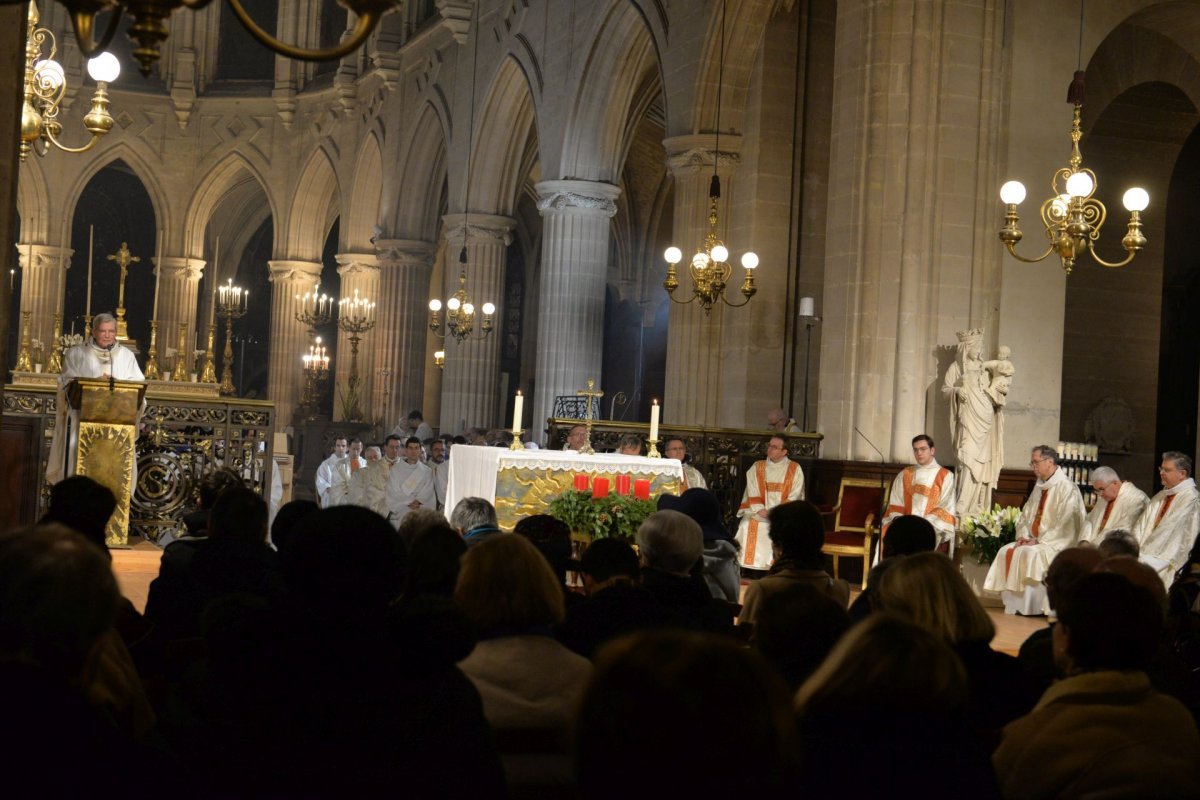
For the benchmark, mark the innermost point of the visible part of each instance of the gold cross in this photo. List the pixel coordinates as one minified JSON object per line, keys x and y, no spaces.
{"x":123,"y":258}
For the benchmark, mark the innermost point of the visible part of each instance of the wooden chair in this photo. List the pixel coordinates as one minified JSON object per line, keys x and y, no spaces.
{"x":854,"y":522}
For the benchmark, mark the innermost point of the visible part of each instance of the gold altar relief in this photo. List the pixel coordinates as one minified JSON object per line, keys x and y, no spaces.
{"x":105,"y":454}
{"x":523,"y":491}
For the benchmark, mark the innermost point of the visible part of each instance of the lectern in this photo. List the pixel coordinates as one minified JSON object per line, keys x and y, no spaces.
{"x":103,"y":438}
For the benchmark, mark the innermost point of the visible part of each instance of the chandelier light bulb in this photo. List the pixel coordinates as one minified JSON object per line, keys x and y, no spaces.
{"x":453,"y":303}
{"x":50,"y":72}
{"x":468,"y":309}
{"x":489,"y":309}
{"x":750,"y":260}
{"x":1060,"y":204}
{"x":673,"y":255}
{"x":1013,"y":193}
{"x":720,"y":254}
{"x":1136,"y":199}
{"x":699,"y":261}
{"x":1080,"y":185}
{"x":104,"y":68}
{"x":435,"y":305}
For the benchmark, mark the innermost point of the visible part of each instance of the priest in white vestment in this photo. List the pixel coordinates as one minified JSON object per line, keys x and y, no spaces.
{"x":692,"y":479}
{"x":1166,"y":531}
{"x":925,"y":490}
{"x":410,"y":485}
{"x":343,"y":473}
{"x":771,"y":482}
{"x":325,"y":472}
{"x":1119,"y":505}
{"x":440,"y":468}
{"x":1050,"y":522}
{"x":101,"y":356}
{"x":369,"y":486}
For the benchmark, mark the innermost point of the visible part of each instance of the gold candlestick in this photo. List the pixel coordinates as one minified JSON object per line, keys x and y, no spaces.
{"x":180,"y":373}
{"x":24,"y":361}
{"x":152,"y":354}
{"x":517,"y":444}
{"x":652,"y":452}
{"x":209,"y":373}
{"x":591,"y":393}
{"x":54,"y":362}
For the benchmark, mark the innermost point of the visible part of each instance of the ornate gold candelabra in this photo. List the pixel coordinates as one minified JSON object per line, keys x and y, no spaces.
{"x":152,"y":353}
{"x":24,"y":359}
{"x":209,"y":373}
{"x":54,"y":362}
{"x":316,"y":371}
{"x":590,"y":393}
{"x":232,"y":303}
{"x":355,"y":317}
{"x":180,"y":373}
{"x":315,"y":309}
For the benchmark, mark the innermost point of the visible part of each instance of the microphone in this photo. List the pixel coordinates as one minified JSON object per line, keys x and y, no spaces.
{"x":882,"y":478}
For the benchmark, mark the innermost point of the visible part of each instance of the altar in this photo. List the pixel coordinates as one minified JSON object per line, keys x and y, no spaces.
{"x":520,"y":483}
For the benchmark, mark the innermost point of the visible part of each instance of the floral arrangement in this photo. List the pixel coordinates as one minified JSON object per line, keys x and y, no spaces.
{"x":616,"y":516}
{"x":987,"y":532}
{"x":39,"y":350}
{"x":69,"y":340}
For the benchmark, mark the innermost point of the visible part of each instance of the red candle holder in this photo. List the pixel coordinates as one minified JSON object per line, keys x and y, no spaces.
{"x":623,"y":482}
{"x":600,"y":488}
{"x":641,"y":489}
{"x":581,"y":482}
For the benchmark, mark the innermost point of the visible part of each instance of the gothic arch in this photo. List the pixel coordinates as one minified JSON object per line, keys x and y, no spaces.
{"x":230,"y":173}
{"x":33,"y":204}
{"x":317,"y":199}
{"x":366,"y":194}
{"x":1130,"y":55}
{"x":422,"y":175}
{"x":507,"y":121}
{"x":122,"y":151}
{"x":745,"y":24}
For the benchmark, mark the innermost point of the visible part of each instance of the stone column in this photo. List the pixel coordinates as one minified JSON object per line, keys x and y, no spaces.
{"x":43,"y":281}
{"x":570,"y":333}
{"x":359,"y":271}
{"x":469,"y":382}
{"x":289,"y":339}
{"x":178,"y":288}
{"x":399,"y":343}
{"x":694,"y":379}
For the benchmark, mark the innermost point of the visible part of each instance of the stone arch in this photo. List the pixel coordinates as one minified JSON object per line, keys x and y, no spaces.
{"x":423,"y":176}
{"x":33,"y":203}
{"x":620,"y":69}
{"x":1130,"y":55}
{"x":140,"y":166}
{"x":507,"y":120}
{"x":366,"y":195}
{"x":317,"y":197}
{"x":232,"y":171}
{"x":745,"y":24}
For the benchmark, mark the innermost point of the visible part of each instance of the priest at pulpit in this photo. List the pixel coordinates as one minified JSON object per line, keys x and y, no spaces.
{"x":101,"y":356}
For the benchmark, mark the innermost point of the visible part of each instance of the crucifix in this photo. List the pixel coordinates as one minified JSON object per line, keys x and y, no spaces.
{"x":591,"y":393}
{"x":123,"y":259}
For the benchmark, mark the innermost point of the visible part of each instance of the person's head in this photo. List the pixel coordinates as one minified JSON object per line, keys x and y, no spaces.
{"x":437,"y":451}
{"x":84,"y":506}
{"x":1043,"y":460}
{"x":104,"y":329}
{"x":1106,"y":623}
{"x":1066,"y":570}
{"x":648,"y":711}
{"x":58,"y":596}
{"x":927,"y":590}
{"x":1119,"y":542}
{"x":923,"y":449}
{"x":576,"y":437}
{"x":607,"y":562}
{"x":415,"y":522}
{"x":289,"y":516}
{"x":909,"y":534}
{"x":1175,"y":469}
{"x":795,"y":629}
{"x":670,"y":542}
{"x":393,"y":446}
{"x":356,"y":447}
{"x":777,"y":449}
{"x":797,"y":534}
{"x":341,"y":446}
{"x":1138,"y":574}
{"x":675,"y":448}
{"x":506,"y":585}
{"x":415,"y":418}
{"x":433,"y":560}
{"x":412,"y":450}
{"x":1106,"y":483}
{"x":552,"y":538}
{"x":214,"y":485}
{"x":630,"y":444}
{"x":473,"y":513}
{"x":239,"y":513}
{"x":886,"y":665}
{"x":777,"y":419}
{"x":702,"y":506}
{"x":372,"y":454}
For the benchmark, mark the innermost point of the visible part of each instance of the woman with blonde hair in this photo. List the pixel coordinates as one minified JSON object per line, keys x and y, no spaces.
{"x":928,"y":590}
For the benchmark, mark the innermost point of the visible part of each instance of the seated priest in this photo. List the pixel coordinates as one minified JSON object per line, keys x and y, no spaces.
{"x":1051,"y":521}
{"x":925,"y":490}
{"x":1119,"y":505}
{"x":1166,"y":531}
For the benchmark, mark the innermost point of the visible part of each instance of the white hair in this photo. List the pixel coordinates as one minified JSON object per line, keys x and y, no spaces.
{"x":102,"y":318}
{"x":670,"y":541}
{"x":1105,"y":475}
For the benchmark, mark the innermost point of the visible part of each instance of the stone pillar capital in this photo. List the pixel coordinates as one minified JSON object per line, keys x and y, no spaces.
{"x":304,"y":273}
{"x":43,"y":256}
{"x":182,"y":268}
{"x":405,"y":252}
{"x":357,"y":264}
{"x":468,"y":229}
{"x":695,"y":153}
{"x":577,"y":197}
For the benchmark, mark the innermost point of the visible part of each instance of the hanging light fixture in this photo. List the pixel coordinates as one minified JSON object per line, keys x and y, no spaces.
{"x":1072,"y":216}
{"x":460,"y":311}
{"x":45,"y":86}
{"x":709,"y":267}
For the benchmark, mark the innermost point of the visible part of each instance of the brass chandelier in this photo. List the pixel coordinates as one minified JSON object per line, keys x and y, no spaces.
{"x":460,"y":312}
{"x":45,"y":85}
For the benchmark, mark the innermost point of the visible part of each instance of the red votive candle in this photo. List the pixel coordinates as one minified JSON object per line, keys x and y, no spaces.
{"x":623,"y":484}
{"x":581,"y":482}
{"x":641,"y":489}
{"x":600,"y":487}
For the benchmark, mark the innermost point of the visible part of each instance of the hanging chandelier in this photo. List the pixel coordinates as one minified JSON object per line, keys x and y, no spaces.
{"x":45,"y":85}
{"x":1072,"y":217}
{"x":709,"y":268}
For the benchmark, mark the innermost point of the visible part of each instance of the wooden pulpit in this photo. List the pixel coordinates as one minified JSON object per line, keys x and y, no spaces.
{"x":103,"y":443}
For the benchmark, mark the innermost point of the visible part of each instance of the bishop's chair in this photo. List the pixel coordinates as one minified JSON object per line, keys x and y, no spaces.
{"x":854,"y":522}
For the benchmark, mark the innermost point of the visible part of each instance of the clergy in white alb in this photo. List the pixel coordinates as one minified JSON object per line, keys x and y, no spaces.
{"x":440,"y":468}
{"x":925,"y":490}
{"x":101,"y":356}
{"x":325,"y":472}
{"x":343,"y":473}
{"x":771,"y":482}
{"x":692,"y":479}
{"x":410,"y":485}
{"x":1119,"y":505}
{"x":369,"y":486}
{"x":1166,"y":531}
{"x":1050,"y":522}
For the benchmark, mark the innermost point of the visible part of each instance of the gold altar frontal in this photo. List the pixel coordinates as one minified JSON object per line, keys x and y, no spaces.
{"x":524,"y":491}
{"x":106,"y":442}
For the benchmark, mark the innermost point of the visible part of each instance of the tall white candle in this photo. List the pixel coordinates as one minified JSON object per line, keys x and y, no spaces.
{"x":654,"y":409}
{"x":157,"y":273}
{"x":806,"y":307}
{"x":518,"y":407}
{"x":91,"y":247}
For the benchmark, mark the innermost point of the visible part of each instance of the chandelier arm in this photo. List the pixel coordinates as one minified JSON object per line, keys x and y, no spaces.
{"x":682,"y":302}
{"x":1103,"y":263}
{"x":196,"y":5}
{"x":366,"y":23}
{"x":1012,"y":252}
{"x":725,"y":300}
{"x":54,"y":140}
{"x":83,"y":21}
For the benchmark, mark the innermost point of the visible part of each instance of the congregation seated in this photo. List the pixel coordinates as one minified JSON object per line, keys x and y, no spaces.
{"x":630,"y":444}
{"x":797,"y":535}
{"x":475,"y":520}
{"x":417,"y":522}
{"x":907,"y":534}
{"x":670,"y":547}
{"x":721,"y":548}
{"x":1103,"y":730}
{"x":1065,"y":572}
{"x":287,"y":518}
{"x":1118,"y":542}
{"x":795,"y":628}
{"x":552,"y":538}
{"x":211,"y":487}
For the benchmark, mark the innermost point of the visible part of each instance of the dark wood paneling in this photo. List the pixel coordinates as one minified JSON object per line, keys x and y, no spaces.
{"x":19,"y":463}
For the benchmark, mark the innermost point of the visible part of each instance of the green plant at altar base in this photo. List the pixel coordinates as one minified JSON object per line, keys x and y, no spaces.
{"x":616,"y":516}
{"x":987,"y":532}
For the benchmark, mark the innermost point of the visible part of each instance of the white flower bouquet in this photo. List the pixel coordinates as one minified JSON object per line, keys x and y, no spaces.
{"x":987,"y":532}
